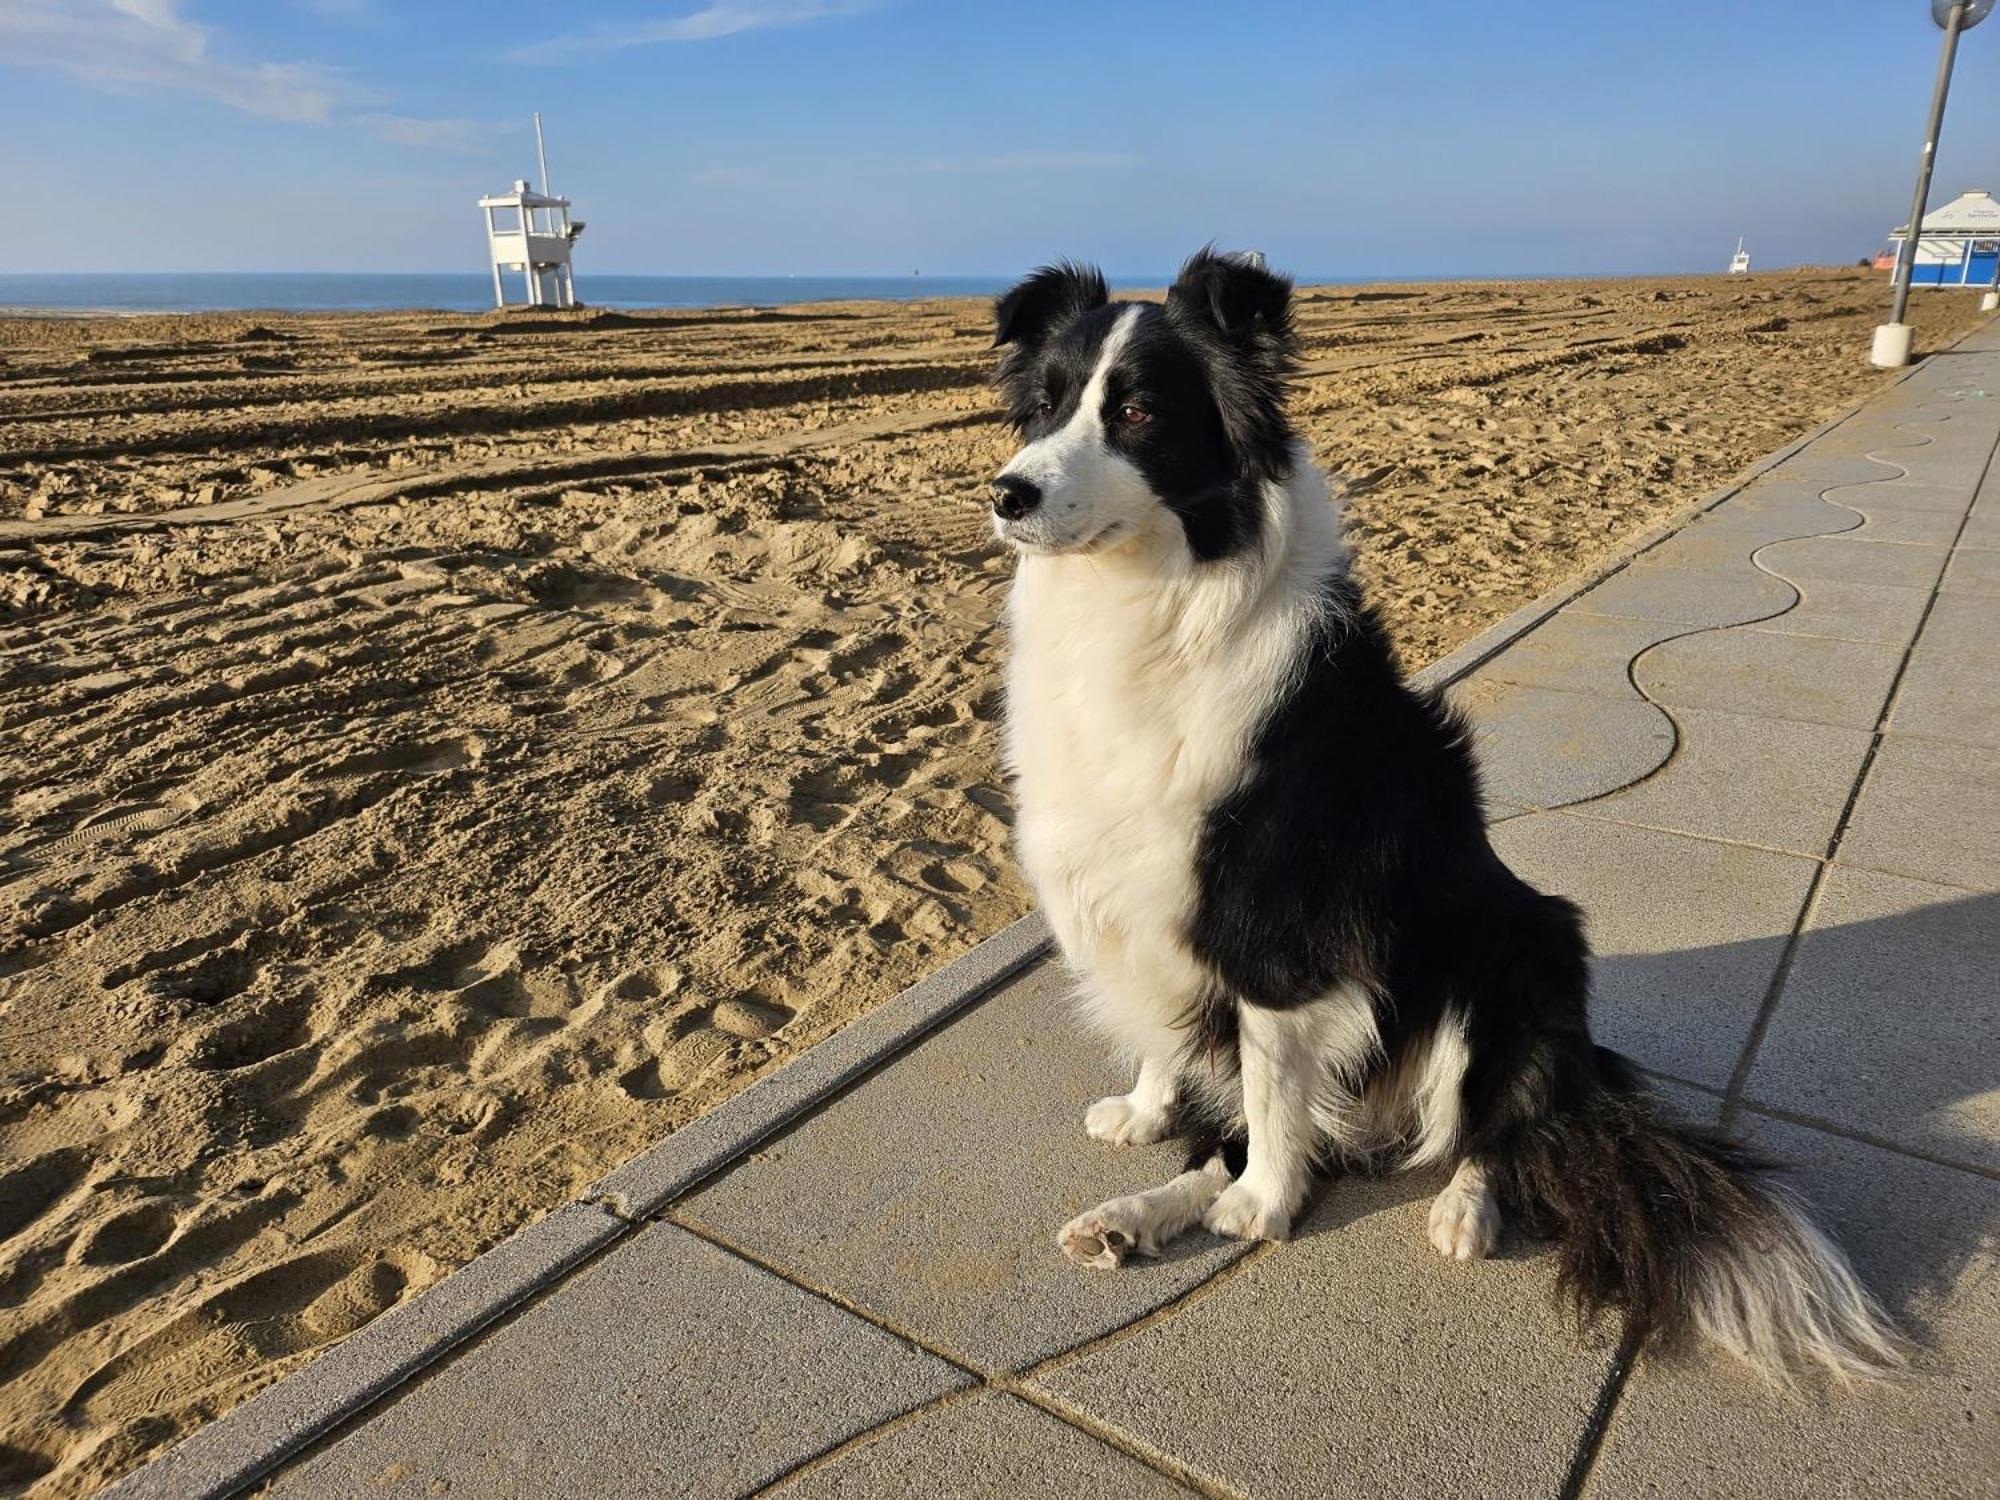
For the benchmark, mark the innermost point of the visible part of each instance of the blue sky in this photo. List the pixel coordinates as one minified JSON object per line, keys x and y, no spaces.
{"x":780,"y":136}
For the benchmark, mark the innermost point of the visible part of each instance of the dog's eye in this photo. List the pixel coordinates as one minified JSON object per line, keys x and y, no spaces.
{"x":1044,"y":406}
{"x":1133,"y":416}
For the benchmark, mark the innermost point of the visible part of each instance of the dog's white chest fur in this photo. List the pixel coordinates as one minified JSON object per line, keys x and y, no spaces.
{"x":1132,"y":704}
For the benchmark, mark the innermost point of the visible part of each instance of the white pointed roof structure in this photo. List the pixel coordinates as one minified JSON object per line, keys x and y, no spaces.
{"x":1975,"y":213}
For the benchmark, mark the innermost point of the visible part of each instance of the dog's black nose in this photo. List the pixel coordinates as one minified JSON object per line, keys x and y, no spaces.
{"x":1014,"y":497}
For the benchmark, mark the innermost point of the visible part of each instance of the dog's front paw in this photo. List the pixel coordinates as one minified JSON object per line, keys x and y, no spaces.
{"x":1465,"y":1223}
{"x":1249,"y":1211}
{"x":1120,"y":1122}
{"x":1103,"y":1237}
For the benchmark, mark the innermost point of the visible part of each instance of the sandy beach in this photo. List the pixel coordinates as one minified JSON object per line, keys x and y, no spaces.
{"x":445,"y":753}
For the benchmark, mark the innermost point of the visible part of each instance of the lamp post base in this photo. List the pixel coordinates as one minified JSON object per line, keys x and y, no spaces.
{"x":1891,"y":349}
{"x":1989,"y":302}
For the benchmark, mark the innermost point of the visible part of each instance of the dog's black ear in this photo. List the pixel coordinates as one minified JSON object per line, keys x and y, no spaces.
{"x":1235,"y":297}
{"x":1048,"y":301}
{"x":1232,"y":302}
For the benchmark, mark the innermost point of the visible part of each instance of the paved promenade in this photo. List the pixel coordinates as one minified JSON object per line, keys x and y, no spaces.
{"x":1763,"y":753}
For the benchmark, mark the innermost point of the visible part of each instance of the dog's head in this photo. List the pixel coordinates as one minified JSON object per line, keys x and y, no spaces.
{"x":1144,"y":420}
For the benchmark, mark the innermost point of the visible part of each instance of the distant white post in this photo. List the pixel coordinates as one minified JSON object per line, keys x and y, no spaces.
{"x":1891,"y":349}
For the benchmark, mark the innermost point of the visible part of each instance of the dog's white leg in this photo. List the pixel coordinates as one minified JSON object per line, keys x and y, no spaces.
{"x":1276,"y":1058}
{"x":1465,"y":1217}
{"x":1144,"y":1223}
{"x":1140,"y":1117}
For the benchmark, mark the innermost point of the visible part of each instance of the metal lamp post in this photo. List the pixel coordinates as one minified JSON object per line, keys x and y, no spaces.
{"x":1892,"y":339}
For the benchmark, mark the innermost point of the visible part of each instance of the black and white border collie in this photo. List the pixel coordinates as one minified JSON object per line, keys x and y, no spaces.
{"x":1263,"y":855}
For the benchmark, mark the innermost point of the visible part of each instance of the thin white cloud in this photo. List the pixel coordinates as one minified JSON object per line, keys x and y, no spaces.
{"x":1034,"y":161}
{"x":149,"y":46}
{"x":719,"y":18}
{"x":460,"y":137}
{"x":145,"y":45}
{"x":729,"y":176}
{"x":1012,"y":163}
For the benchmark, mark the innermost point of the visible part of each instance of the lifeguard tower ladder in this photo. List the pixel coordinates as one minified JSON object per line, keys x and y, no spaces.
{"x":531,"y":233}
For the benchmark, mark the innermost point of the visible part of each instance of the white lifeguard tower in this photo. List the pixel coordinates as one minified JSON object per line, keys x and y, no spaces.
{"x":531,"y":233}
{"x":1739,"y":263}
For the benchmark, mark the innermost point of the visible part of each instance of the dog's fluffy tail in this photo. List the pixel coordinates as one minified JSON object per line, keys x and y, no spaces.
{"x":1686,"y":1233}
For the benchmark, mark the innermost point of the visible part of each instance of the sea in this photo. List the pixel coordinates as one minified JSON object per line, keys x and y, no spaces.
{"x":300,"y":291}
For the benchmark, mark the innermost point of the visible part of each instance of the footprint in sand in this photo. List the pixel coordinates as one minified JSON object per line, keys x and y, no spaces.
{"x":953,"y":876}
{"x":244,"y":1041}
{"x":286,"y":1308}
{"x":369,"y":1289}
{"x":30,"y":1191}
{"x":424,"y":758}
{"x":128,"y":1236}
{"x":687,"y":1046}
{"x":126,"y":821}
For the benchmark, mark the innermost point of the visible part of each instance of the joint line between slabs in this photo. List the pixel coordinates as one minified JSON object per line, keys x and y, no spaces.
{"x":984,"y":1379}
{"x":827,"y":1457}
{"x":1808,"y":909}
{"x":1119,"y":1441}
{"x":1863,"y":1138}
{"x":791,"y":1278}
{"x":1591,"y":1440}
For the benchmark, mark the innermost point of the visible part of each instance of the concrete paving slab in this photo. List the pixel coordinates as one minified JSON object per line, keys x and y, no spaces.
{"x":666,"y":1367}
{"x":1843,"y":559}
{"x":1961,"y":439}
{"x":937,"y":1188}
{"x":1982,"y":527}
{"x":1841,"y":457}
{"x":1896,"y":524}
{"x":1353,"y":1361}
{"x":1888,"y":1017}
{"x":1810,"y":678}
{"x":1775,"y":510}
{"x":1961,"y":624}
{"x":1542,"y":748}
{"x":1718,"y":549}
{"x":990,"y":1447}
{"x":1913,"y":493}
{"x":1956,"y":451}
{"x":1929,"y":810}
{"x":1924,"y":1237}
{"x":1577,"y":653}
{"x":1947,"y":695}
{"x":1778,"y":783}
{"x":1973,"y":570}
{"x":1851,"y":612}
{"x":1689,"y":596}
{"x":1687,"y":932}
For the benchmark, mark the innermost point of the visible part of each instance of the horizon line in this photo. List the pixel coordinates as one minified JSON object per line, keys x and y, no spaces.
{"x":1131,"y":278}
